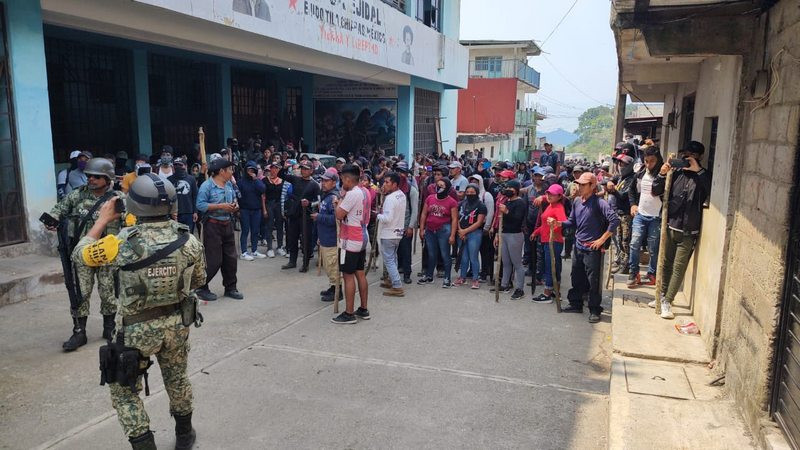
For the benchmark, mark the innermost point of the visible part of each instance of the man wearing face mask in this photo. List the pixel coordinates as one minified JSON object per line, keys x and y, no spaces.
{"x":165,"y":169}
{"x":619,"y":200}
{"x":80,"y":209}
{"x":77,"y":178}
{"x":62,"y":180}
{"x":186,"y":191}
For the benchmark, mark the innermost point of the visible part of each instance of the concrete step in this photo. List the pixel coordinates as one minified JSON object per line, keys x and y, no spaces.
{"x":28,"y":276}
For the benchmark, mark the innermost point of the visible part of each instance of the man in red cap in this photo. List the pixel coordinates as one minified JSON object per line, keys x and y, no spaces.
{"x":594,"y":222}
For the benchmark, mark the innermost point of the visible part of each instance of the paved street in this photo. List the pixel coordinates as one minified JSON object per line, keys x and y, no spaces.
{"x":436,"y":369}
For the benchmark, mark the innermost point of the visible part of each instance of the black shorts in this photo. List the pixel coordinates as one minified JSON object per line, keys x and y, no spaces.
{"x":353,"y":262}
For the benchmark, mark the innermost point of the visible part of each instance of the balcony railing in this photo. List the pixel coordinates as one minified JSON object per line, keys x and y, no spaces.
{"x":525,"y":118}
{"x":506,"y":68}
{"x":399,"y":5}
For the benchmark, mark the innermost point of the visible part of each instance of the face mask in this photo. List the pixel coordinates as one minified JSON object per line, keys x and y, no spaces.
{"x":441,"y":193}
{"x":508,"y":192}
{"x":81,"y":165}
{"x":472,"y":198}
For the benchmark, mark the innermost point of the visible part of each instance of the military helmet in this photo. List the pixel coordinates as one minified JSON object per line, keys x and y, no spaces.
{"x":100,"y":167}
{"x":150,"y":196}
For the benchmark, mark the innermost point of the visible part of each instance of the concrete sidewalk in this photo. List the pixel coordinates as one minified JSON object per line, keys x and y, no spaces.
{"x":663,"y":395}
{"x":439,"y":368}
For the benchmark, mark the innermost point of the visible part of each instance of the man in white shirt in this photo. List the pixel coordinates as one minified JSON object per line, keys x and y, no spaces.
{"x":458,"y":180}
{"x":391,"y":223}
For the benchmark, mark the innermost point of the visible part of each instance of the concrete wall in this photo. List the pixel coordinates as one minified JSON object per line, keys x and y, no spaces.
{"x":32,"y":112}
{"x":766,"y":175}
{"x":717,"y":93}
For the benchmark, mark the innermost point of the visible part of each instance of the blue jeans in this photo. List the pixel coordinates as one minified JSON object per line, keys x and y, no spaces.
{"x":469,"y":254}
{"x":389,"y":253}
{"x":645,"y":229}
{"x":437,"y":244}
{"x":548,"y":271}
{"x":274,"y":221}
{"x":251,"y":223}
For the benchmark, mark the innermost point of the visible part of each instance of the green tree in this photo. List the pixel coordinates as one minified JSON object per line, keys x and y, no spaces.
{"x":595,"y":132}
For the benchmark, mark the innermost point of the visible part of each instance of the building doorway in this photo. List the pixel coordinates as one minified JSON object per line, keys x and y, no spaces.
{"x":12,"y":210}
{"x":786,"y":390}
{"x":254,"y":104}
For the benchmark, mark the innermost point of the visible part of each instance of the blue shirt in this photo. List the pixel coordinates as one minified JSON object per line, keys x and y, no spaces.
{"x":591,"y":219}
{"x":549,"y":159}
{"x":211,"y":194}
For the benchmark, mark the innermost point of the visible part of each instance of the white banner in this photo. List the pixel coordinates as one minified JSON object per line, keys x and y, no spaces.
{"x":365,"y":30}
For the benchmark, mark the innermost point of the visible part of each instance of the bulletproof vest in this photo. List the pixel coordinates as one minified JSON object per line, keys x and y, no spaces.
{"x":164,"y":282}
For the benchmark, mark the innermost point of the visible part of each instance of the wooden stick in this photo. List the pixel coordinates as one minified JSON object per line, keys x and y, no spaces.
{"x":338,"y":287}
{"x":201,"y":138}
{"x":319,"y":259}
{"x":556,"y":283}
{"x":499,"y":259}
{"x":662,"y":255}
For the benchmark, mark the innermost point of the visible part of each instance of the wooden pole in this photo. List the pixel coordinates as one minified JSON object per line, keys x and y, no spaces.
{"x":201,"y":138}
{"x":662,"y":255}
{"x":499,"y":259}
{"x":556,"y":282}
{"x":338,"y":289}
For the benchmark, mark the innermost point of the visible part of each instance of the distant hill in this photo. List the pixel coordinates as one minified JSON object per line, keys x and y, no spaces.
{"x":559,"y":138}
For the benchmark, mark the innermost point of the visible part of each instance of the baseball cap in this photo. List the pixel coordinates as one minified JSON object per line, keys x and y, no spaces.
{"x":587,"y":178}
{"x":304,"y":164}
{"x":507,"y":174}
{"x":401,"y":166}
{"x":455,"y":165}
{"x":537,"y":171}
{"x":623,"y":158}
{"x":219,"y":164}
{"x":180,"y":161}
{"x":331,"y":174}
{"x":555,"y":189}
{"x":579,"y":169}
{"x":341,"y":160}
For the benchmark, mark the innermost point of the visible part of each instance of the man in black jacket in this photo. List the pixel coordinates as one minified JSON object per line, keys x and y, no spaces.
{"x":690,"y":189}
{"x":186,"y":190}
{"x":618,"y":191}
{"x":305,"y":191}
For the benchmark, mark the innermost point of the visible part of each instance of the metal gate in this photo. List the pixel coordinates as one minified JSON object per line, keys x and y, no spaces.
{"x":786,"y":392}
{"x":426,"y":111}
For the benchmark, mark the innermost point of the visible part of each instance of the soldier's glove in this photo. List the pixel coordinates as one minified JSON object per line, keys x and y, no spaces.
{"x":101,"y":252}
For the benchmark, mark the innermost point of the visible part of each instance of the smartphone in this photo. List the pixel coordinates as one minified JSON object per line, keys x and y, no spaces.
{"x":48,"y":220}
{"x":119,"y":206}
{"x":679,"y":163}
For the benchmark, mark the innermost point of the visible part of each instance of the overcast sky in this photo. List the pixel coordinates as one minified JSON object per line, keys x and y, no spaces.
{"x":582,"y":49}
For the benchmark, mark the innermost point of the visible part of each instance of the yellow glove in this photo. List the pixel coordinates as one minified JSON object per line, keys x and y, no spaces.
{"x":101,"y":252}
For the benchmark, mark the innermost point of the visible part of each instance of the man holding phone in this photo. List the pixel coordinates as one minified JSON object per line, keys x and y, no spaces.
{"x":691,"y":185}
{"x":216,"y":199}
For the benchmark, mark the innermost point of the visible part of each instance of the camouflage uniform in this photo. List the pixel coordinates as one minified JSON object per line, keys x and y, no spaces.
{"x":165,"y":336}
{"x":75,"y":206}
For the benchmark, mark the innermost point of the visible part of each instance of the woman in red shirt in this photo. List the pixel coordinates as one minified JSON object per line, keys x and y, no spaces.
{"x":554,"y":210}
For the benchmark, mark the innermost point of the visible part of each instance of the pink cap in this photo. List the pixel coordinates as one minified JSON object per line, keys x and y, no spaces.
{"x":555,"y":189}
{"x":507,"y":174}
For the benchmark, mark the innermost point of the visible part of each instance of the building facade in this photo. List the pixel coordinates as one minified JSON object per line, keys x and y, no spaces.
{"x":493,"y":119}
{"x":134,"y":75}
{"x":728,"y":75}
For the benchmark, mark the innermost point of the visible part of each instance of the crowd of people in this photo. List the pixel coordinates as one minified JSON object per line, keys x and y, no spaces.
{"x":465,"y":211}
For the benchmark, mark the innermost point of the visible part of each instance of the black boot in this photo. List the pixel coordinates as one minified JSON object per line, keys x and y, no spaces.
{"x":143,"y":442}
{"x":78,"y":337}
{"x":184,"y":433}
{"x":328,"y":291}
{"x":108,"y":326}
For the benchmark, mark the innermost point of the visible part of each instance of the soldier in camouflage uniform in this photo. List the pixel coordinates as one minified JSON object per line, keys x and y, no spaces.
{"x":76,"y":207}
{"x":151,"y":298}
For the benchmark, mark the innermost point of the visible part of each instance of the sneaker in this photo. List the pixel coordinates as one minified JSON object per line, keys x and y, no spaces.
{"x":594,"y":318}
{"x":394,"y":292}
{"x":257,"y":254}
{"x":246,"y":256}
{"x":652,"y":304}
{"x":270,"y":253}
{"x":502,"y":289}
{"x":573,"y":309}
{"x":518,"y":294}
{"x":345,"y":318}
{"x":543,"y":299}
{"x":634,"y":280}
{"x":362,"y":313}
{"x":459,"y":282}
{"x":475,"y":285}
{"x":651,"y":280}
{"x":446,"y":284}
{"x":425,"y":280}
{"x":288,"y":266}
{"x":407,"y":279}
{"x":262,"y":242}
{"x":282,"y":252}
{"x":666,"y":311}
{"x":234,"y":294}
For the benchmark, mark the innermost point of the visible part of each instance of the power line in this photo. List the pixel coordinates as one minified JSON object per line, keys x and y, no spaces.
{"x":639,"y":100}
{"x":559,"y":23}
{"x":547,"y":98}
{"x":564,"y":77}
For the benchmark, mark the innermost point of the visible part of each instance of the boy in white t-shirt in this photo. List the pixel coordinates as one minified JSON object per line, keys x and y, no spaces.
{"x":353,"y":212}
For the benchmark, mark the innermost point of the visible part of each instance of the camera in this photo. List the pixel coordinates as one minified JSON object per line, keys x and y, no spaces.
{"x":119,"y":206}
